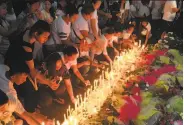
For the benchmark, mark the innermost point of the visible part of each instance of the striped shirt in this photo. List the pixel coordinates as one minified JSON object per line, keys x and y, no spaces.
{"x":60,"y":31}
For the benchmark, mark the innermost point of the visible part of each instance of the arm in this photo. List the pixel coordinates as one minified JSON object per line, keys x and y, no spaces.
{"x":5,"y":32}
{"x":108,"y":58}
{"x":93,"y":27}
{"x":69,"y":88}
{"x":102,"y":13}
{"x":27,"y":117}
{"x":147,"y":37}
{"x":174,"y":10}
{"x":77,"y":73}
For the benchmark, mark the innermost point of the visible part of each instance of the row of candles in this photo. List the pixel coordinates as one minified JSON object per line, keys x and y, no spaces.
{"x":96,"y":95}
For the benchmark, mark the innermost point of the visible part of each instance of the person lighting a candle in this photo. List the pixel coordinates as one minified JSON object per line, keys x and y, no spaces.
{"x":9,"y":102}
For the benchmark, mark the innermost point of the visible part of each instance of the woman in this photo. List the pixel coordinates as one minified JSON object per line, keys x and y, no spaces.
{"x":145,"y":31}
{"x":21,"y":52}
{"x":46,"y":16}
{"x":54,"y":68}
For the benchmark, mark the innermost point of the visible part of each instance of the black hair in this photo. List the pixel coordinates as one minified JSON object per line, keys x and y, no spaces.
{"x":18,"y":69}
{"x":3,"y":98}
{"x":110,"y":31}
{"x":130,"y":26}
{"x":95,"y":1}
{"x":51,"y":63}
{"x":70,"y":50}
{"x":40,"y":27}
{"x":71,"y":9}
{"x":3,"y":2}
{"x":87,"y":9}
{"x":31,"y":1}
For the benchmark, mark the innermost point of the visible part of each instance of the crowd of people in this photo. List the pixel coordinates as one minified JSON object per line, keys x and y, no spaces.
{"x":50,"y":48}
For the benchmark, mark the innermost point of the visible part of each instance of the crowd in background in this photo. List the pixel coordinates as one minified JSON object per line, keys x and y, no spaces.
{"x":51,"y":48}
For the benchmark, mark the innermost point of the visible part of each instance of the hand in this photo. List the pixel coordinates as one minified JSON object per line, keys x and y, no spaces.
{"x":53,"y":85}
{"x":73,"y":100}
{"x":18,"y":122}
{"x":87,"y":83}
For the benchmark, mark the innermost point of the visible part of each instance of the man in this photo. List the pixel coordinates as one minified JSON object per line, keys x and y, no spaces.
{"x":69,"y":58}
{"x":7,"y":107}
{"x":61,"y":29}
{"x":80,"y":26}
{"x":170,"y":10}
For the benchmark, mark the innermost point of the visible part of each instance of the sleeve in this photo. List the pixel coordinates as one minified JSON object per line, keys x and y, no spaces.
{"x":83,"y":25}
{"x":19,"y":108}
{"x":149,"y":27}
{"x":94,"y":15}
{"x":27,"y":56}
{"x":173,"y":4}
{"x":60,"y":30}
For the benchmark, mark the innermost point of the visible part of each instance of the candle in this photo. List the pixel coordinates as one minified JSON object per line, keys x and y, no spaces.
{"x":43,"y":123}
{"x":58,"y":123}
{"x":139,"y":43}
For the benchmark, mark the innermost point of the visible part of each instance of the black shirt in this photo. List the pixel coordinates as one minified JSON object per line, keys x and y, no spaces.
{"x":16,"y":54}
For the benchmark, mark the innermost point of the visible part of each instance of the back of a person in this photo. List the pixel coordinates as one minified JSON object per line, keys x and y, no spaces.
{"x":168,"y":14}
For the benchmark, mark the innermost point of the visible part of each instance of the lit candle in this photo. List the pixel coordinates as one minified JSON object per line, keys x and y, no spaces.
{"x":58,"y":123}
{"x":43,"y":123}
{"x":139,"y":43}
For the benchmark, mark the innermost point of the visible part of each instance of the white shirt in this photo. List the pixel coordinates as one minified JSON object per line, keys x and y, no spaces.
{"x":148,"y":29}
{"x":78,"y":25}
{"x":59,"y":13}
{"x":168,"y":14}
{"x":60,"y":31}
{"x":100,"y":47}
{"x":125,"y":35}
{"x":156,"y":9}
{"x":68,"y":64}
{"x":7,"y":87}
{"x":143,"y":10}
{"x":94,"y":16}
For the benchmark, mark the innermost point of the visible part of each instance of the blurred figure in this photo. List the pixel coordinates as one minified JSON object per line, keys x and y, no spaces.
{"x":46,"y":12}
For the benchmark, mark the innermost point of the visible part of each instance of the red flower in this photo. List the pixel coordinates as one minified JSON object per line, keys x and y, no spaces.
{"x":150,"y":79}
{"x":161,"y":52}
{"x":130,"y":110}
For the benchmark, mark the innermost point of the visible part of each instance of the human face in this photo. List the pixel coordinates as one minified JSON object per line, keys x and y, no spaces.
{"x":35,"y":7}
{"x":74,"y":18}
{"x":42,"y":38}
{"x":130,"y":30}
{"x":97,"y":5}
{"x":144,"y":23}
{"x":72,"y":58}
{"x":47,"y":5}
{"x":3,"y":10}
{"x":58,"y":65}
{"x":19,"y":78}
{"x":4,"y":113}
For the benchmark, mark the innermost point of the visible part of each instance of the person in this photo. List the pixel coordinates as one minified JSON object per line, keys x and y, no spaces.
{"x":54,"y":68}
{"x":127,"y":37}
{"x":61,"y":28}
{"x":21,"y":52}
{"x":45,"y":13}
{"x":99,"y":47}
{"x":80,"y":28}
{"x":61,"y":8}
{"x":69,"y":57}
{"x":5,"y":28}
{"x":10,"y":103}
{"x":169,"y":14}
{"x":157,"y":8}
{"x":29,"y":16}
{"x":93,"y":23}
{"x":145,"y":31}
{"x":124,"y":10}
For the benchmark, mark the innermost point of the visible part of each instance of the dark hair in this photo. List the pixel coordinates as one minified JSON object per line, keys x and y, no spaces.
{"x":70,"y":50}
{"x":110,"y":31}
{"x":40,"y":27}
{"x":87,"y":9}
{"x":3,"y":1}
{"x":3,"y":98}
{"x":95,"y":1}
{"x":51,"y":63}
{"x":18,"y":69}
{"x":71,"y":10}
{"x":130,"y":26}
{"x":31,"y":1}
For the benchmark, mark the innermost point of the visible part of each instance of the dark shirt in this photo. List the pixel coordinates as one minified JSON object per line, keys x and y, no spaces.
{"x":17,"y":56}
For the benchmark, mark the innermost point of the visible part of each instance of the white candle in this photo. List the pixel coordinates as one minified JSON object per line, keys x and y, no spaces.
{"x":43,"y":123}
{"x":139,"y":43}
{"x":58,"y":123}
